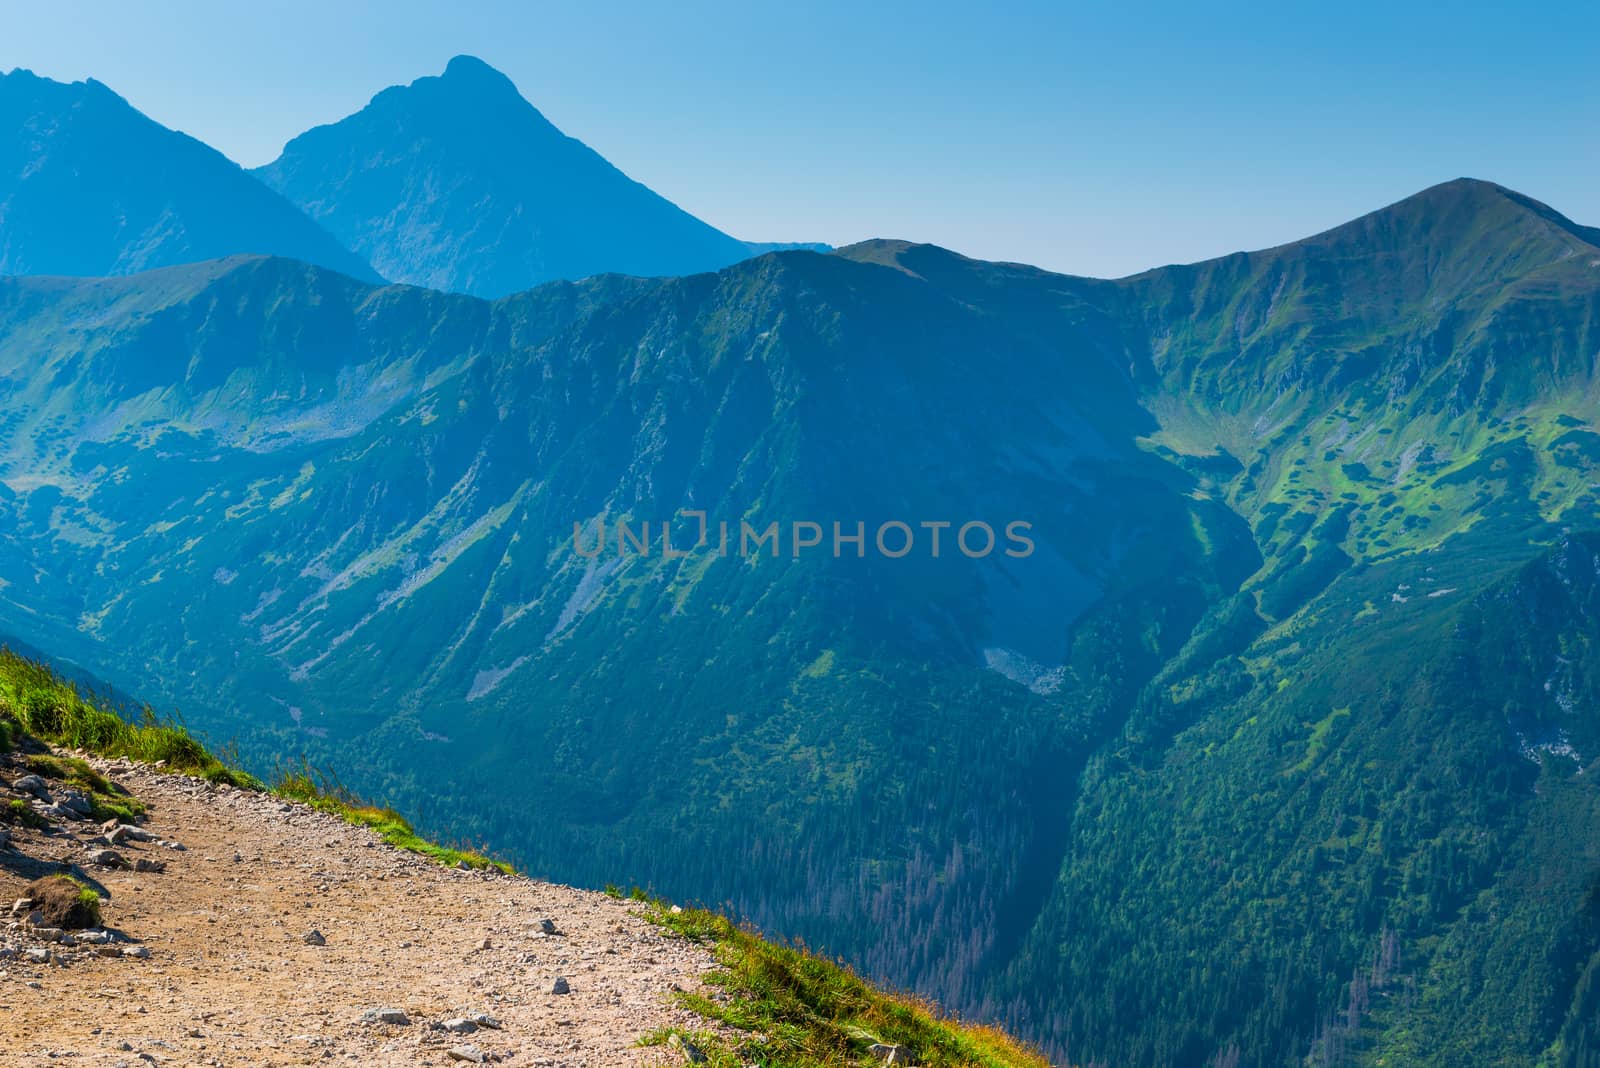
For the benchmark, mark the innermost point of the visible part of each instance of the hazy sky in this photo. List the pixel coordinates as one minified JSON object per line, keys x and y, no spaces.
{"x":1066,"y":135}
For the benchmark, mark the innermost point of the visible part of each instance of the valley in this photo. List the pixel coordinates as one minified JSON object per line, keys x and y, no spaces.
{"x":1266,"y":754}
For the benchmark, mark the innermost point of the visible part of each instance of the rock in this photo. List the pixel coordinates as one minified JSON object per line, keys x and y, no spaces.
{"x":31,"y":784}
{"x":36,"y":955}
{"x":560,"y":986}
{"x":691,"y":1052}
{"x":548,"y":926}
{"x":388,"y":1016}
{"x":21,"y":905}
{"x":145,"y":865}
{"x":49,"y":934}
{"x":5,"y":837}
{"x":313,"y":938}
{"x":77,"y":801}
{"x":891,"y":1054}
{"x":483,"y":1019}
{"x":127,"y":832}
{"x":107,"y":858}
{"x":136,"y":952}
{"x":108,"y":950}
{"x":459,"y":1026}
{"x":93,"y":937}
{"x":470,"y":1054}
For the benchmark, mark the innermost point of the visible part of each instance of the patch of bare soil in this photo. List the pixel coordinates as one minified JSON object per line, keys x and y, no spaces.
{"x":277,"y":935}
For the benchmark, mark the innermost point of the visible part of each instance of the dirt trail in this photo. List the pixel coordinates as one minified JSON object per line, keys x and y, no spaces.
{"x":231,"y":979}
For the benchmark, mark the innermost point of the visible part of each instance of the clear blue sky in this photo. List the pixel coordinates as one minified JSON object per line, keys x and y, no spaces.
{"x":1083,"y":140}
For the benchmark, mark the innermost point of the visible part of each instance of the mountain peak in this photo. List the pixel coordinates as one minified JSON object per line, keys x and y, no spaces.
{"x":457,"y":104}
{"x":1455,"y":234}
{"x":457,"y":182}
{"x":465,"y":66}
{"x":1467,"y":210}
{"x":1465,"y":186}
{"x":1460,"y":196}
{"x":472,"y":75}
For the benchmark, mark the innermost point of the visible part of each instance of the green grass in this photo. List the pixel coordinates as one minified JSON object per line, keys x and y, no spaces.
{"x":88,"y":901}
{"x":790,"y":1008}
{"x":1318,"y":740}
{"x":36,"y":701}
{"x":19,"y":812}
{"x":304,"y":786}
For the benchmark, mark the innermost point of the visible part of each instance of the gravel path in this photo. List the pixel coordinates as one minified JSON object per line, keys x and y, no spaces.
{"x":231,"y":978}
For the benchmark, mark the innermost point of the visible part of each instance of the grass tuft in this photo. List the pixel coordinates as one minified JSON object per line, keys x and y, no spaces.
{"x":799,"y":1010}
{"x":107,"y":800}
{"x":18,"y":811}
{"x":325,"y":795}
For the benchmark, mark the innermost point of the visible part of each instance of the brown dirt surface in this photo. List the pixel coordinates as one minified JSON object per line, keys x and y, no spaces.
{"x":230,"y":978}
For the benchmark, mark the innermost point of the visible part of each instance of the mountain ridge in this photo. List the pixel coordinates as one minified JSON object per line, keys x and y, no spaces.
{"x":73,"y":205}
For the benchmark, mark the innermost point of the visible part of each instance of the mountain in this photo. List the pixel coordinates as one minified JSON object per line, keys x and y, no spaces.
{"x":1270,"y":751}
{"x":89,"y":186}
{"x":404,"y":469}
{"x":457,"y":183}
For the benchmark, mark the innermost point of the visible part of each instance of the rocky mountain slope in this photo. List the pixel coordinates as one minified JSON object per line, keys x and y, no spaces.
{"x":89,"y":187}
{"x":1260,"y":657}
{"x":455,"y":182}
{"x":276,"y":934}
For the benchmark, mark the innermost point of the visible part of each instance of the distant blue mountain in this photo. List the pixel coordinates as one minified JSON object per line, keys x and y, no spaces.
{"x":90,"y":186}
{"x":457,"y":183}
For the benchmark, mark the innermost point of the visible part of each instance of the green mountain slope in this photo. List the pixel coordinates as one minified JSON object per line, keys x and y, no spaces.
{"x":89,"y":186}
{"x":1291,"y":693}
{"x":456,"y":182}
{"x":370,"y":560}
{"x":1375,"y":843}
